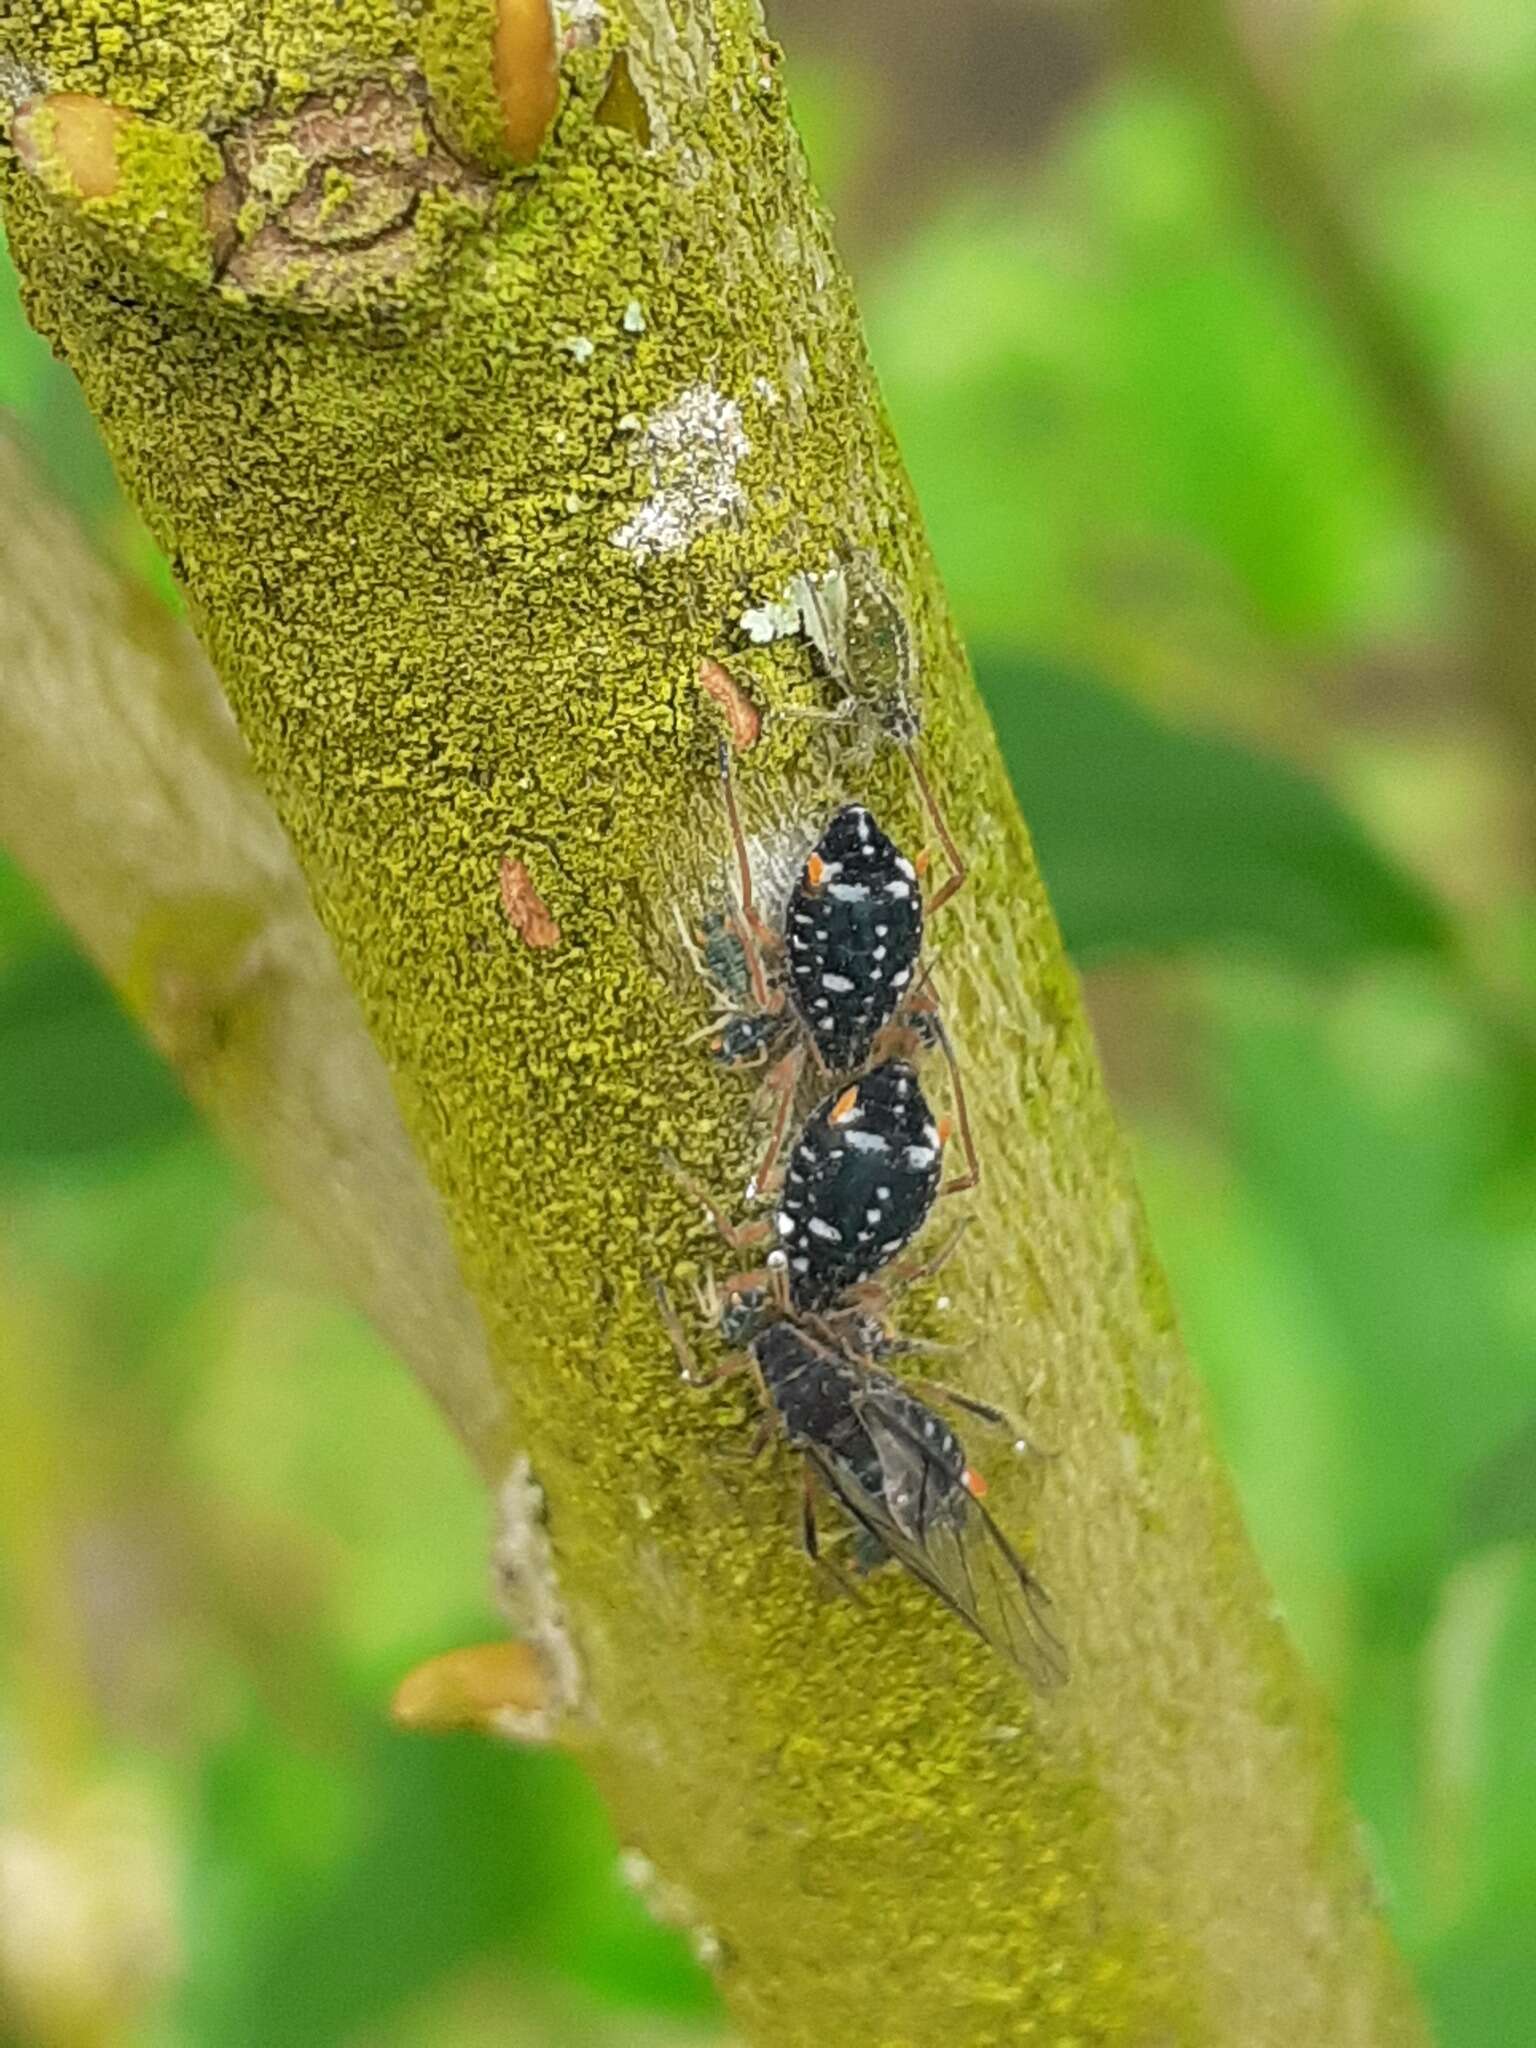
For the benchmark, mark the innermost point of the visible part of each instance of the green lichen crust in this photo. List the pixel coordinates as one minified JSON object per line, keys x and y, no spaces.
{"x":457,"y":529}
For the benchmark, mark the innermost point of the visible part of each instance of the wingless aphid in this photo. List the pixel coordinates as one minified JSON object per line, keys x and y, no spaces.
{"x":898,"y":1471}
{"x":843,"y":975}
{"x":860,"y":1182}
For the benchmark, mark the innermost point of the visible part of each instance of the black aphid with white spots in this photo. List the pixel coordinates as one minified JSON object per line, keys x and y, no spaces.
{"x":861,"y":1180}
{"x":853,"y":929}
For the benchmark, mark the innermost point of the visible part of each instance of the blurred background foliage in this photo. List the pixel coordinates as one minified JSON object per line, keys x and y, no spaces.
{"x":1215,"y":375}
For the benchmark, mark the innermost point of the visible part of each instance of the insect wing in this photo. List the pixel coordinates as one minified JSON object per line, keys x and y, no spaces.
{"x":946,"y":1539}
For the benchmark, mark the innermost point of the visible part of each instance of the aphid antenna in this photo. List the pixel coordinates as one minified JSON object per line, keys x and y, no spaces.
{"x":753,"y":928}
{"x":972,"y":1175}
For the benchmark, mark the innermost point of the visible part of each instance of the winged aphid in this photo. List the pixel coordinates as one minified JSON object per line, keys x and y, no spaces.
{"x":896,"y":1469}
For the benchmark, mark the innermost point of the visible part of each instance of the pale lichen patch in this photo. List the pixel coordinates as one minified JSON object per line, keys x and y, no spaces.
{"x":692,"y":449}
{"x":580,"y":23}
{"x":529,"y":1595}
{"x":778,"y":619}
{"x":671,"y":1904}
{"x":18,"y":84}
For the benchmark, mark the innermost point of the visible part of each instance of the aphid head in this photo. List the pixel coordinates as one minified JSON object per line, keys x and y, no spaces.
{"x":744,"y":1040}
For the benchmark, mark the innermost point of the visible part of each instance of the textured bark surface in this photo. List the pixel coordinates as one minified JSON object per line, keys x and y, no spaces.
{"x":464,"y":472}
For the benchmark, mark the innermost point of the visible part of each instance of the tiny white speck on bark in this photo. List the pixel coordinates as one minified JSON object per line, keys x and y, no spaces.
{"x":692,"y":449}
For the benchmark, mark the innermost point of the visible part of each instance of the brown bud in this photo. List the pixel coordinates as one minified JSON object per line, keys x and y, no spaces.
{"x":526,"y":66}
{"x":72,"y":138}
{"x":496,"y":1687}
{"x":527,"y":912}
{"x":743,"y":721}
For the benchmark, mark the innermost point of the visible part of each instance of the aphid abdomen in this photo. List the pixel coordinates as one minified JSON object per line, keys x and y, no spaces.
{"x":812,"y":1390}
{"x":725,"y":958}
{"x":853,"y":929}
{"x":860,"y":1182}
{"x":924,"y":1486}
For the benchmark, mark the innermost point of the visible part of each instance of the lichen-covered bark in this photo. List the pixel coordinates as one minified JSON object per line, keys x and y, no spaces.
{"x":460,"y":502}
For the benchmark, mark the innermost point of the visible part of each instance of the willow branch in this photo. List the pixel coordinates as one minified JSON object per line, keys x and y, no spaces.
{"x":126,"y":794}
{"x":469,"y":445}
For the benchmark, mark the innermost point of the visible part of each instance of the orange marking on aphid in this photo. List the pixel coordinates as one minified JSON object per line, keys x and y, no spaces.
{"x":815,"y":870}
{"x":844,"y":1106}
{"x":946,"y":1131}
{"x":973,"y":1483}
{"x":527,"y":912}
{"x":743,"y":720}
{"x":923,"y":862}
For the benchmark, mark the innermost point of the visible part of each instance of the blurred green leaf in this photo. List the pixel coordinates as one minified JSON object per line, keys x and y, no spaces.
{"x":458,"y":1849}
{"x":76,"y":1077}
{"x":1499,"y":1502}
{"x":1141,"y":439}
{"x":1367,"y":1146}
{"x":43,"y":394}
{"x":1154,"y":840}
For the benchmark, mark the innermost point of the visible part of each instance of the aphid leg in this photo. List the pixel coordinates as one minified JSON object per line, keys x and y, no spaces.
{"x":753,"y":929}
{"x":995,"y":1418}
{"x":907,"y":1273}
{"x":737,"y":1235}
{"x":957,"y":867}
{"x":782,"y":1082}
{"x":778,"y":1281}
{"x":690,"y":945}
{"x":808,"y":1535}
{"x":687,"y":1365}
{"x":959,"y":1182}
{"x":810,"y":1539}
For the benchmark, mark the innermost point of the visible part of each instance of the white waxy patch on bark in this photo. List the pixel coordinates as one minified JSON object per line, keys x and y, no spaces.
{"x":529,"y":1596}
{"x":692,"y":449}
{"x":669,"y":1903}
{"x":775,"y":620}
{"x":17,"y":83}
